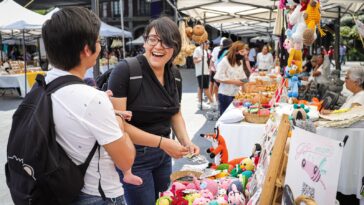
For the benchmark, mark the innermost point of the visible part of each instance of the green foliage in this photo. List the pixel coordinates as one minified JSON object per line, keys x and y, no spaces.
{"x":345,"y":31}
{"x":347,"y":20}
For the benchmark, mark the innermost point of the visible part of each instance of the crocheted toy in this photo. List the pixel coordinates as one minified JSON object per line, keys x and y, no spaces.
{"x":312,"y":18}
{"x":235,"y":196}
{"x":218,"y":150}
{"x":295,"y":61}
{"x":164,"y":200}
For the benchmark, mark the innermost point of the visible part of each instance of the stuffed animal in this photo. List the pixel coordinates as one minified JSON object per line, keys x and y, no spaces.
{"x":295,"y":58}
{"x":247,"y":164}
{"x":201,"y":201}
{"x":191,"y":197}
{"x":236,"y":197}
{"x":210,"y":185}
{"x":179,"y":200}
{"x":164,"y":200}
{"x":218,"y":150}
{"x":206,"y":194}
{"x":256,"y":153}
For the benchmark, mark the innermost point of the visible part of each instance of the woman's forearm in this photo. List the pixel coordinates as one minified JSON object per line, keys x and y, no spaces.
{"x":141,"y":137}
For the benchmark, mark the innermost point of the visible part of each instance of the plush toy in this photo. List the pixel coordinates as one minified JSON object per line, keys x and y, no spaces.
{"x":179,"y":200}
{"x":236,"y":197}
{"x":229,"y":165}
{"x":218,"y":150}
{"x":206,"y":194}
{"x":295,"y":58}
{"x":191,"y":197}
{"x":304,"y":4}
{"x":247,"y":164}
{"x":313,"y":16}
{"x":210,"y":185}
{"x":201,"y":201}
{"x":164,"y":200}
{"x":256,"y":153}
{"x":177,"y":186}
{"x":225,"y":183}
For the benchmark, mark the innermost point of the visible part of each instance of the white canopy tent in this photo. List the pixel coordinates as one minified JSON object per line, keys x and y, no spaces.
{"x":252,"y":18}
{"x":105,"y":29}
{"x":14,"y":16}
{"x":137,"y":41}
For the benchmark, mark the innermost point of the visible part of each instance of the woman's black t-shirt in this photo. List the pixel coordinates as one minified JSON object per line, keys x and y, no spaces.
{"x":155,"y":104}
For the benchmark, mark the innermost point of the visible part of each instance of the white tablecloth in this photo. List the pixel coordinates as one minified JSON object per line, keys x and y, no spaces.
{"x":14,"y":81}
{"x":240,"y":137}
{"x":352,"y":163}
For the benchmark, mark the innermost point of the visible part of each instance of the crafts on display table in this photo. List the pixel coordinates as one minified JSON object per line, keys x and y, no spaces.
{"x":15,"y":78}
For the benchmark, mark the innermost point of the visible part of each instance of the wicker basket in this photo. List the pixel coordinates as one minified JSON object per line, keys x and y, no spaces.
{"x":179,"y":174}
{"x":255,"y":118}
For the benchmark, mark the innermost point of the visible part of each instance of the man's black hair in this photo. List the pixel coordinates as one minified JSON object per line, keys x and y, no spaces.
{"x":66,"y":34}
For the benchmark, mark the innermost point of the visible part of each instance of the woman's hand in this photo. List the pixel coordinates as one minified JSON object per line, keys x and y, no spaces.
{"x":173,"y":148}
{"x":193,"y":149}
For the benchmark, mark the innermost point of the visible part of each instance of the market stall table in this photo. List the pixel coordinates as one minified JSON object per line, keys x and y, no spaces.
{"x":18,"y":81}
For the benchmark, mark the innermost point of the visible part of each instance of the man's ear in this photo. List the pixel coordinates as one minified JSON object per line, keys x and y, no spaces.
{"x":86,"y":51}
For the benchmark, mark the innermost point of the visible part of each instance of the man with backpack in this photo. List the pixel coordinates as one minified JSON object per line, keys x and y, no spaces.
{"x":80,"y":118}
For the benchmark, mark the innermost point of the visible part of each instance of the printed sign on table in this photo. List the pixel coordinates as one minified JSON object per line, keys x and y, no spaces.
{"x":313,"y":166}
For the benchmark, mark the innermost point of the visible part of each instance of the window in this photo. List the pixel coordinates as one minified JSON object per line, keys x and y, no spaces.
{"x":115,"y":8}
{"x":104,"y":9}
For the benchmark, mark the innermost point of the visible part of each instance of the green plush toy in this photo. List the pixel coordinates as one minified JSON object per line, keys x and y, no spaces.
{"x":164,"y":200}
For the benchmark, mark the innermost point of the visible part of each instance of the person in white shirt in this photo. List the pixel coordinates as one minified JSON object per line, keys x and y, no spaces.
{"x":202,"y":75}
{"x":321,"y":69}
{"x":83,"y":115}
{"x":265,"y":60}
{"x":213,"y":88}
{"x":230,"y":74}
{"x":354,"y":82}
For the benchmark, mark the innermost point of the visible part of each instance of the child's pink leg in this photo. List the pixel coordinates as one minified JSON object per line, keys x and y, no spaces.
{"x":130,"y":178}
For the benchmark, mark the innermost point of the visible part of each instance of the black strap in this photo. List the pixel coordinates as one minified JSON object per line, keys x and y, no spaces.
{"x":83,"y":167}
{"x":135,"y":78}
{"x":58,"y":82}
{"x":102,"y":193}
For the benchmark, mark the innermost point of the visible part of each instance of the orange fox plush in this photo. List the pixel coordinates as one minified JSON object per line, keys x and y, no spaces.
{"x":218,"y":150}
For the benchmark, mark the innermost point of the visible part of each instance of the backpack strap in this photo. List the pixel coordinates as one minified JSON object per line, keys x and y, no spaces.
{"x":135,"y":78}
{"x":178,"y":79}
{"x":59,"y":82}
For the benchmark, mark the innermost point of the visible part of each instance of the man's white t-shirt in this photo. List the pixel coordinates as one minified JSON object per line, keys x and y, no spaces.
{"x":357,"y":98}
{"x":198,"y":66}
{"x":225,"y":71}
{"x":83,"y":115}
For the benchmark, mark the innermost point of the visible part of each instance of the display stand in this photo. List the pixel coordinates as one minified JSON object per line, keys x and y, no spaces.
{"x":274,"y":179}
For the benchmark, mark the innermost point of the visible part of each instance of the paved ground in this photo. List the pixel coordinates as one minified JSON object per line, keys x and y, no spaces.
{"x":195,"y":120}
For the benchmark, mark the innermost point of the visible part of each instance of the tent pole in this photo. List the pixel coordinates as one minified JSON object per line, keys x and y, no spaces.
{"x":122,"y":23}
{"x":25,"y":64}
{"x":95,"y":8}
{"x":221,"y":30}
{"x":203,"y":64}
{"x":337,"y":41}
{"x":1,"y":48}
{"x":39,"y":52}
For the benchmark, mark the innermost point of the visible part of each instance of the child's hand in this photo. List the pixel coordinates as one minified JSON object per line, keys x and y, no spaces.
{"x":126,"y":114}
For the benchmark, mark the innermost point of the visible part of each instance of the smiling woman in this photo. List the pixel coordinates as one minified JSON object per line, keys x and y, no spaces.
{"x":156,"y":109}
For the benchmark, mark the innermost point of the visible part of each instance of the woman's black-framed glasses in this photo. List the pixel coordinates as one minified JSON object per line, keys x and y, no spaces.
{"x":153,"y":40}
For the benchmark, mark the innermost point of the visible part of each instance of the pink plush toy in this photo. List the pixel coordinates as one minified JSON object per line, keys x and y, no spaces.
{"x":177,"y":186}
{"x":225,"y":183}
{"x":206,"y":194}
{"x":194,"y":185}
{"x":166,"y":193}
{"x":210,"y":185}
{"x":201,"y":201}
{"x":235,"y":197}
